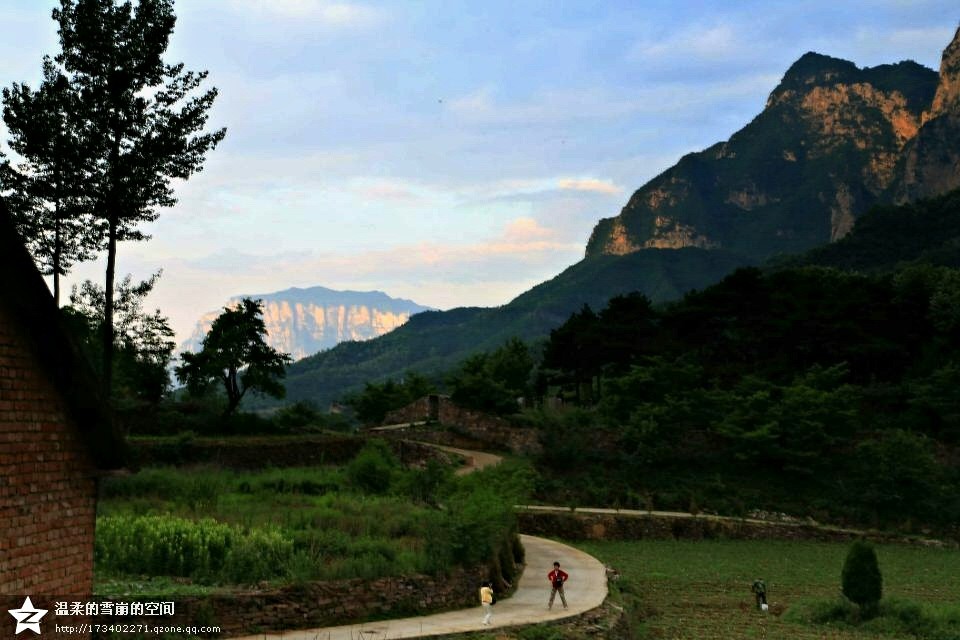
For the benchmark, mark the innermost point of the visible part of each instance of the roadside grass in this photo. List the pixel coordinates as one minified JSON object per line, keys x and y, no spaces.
{"x":170,"y":530}
{"x":701,"y":590}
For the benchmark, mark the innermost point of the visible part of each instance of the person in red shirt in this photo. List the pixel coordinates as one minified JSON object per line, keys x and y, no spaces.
{"x":557,"y":577}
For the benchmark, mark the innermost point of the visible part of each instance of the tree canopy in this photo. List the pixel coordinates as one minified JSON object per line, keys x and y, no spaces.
{"x":235,"y":355}
{"x":48,"y":191}
{"x":104,"y":137}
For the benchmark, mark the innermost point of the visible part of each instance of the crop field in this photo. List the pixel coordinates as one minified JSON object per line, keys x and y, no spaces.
{"x":701,"y":590}
{"x":191,"y":530}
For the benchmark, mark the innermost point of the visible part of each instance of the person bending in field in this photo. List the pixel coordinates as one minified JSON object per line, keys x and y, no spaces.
{"x":759,"y":589}
{"x":557,"y":577}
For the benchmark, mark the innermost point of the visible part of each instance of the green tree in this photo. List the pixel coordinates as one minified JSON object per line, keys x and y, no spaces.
{"x":861,"y":579}
{"x":236,"y":356}
{"x":571,"y":355}
{"x":144,"y":339}
{"x":378,"y":398}
{"x":142,"y":119}
{"x":493,"y":381}
{"x":897,"y":475}
{"x":49,"y":197}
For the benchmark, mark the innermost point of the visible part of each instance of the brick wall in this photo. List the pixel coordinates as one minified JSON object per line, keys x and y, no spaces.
{"x":47,"y":485}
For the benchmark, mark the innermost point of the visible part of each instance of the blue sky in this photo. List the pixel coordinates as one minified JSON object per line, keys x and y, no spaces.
{"x":454,"y":152}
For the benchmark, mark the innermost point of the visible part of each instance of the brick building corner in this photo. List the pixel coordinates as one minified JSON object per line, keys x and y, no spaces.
{"x":56,"y":439}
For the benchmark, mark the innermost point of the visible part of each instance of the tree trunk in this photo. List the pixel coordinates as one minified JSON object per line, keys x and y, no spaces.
{"x":233,"y":392}
{"x":108,"y":331}
{"x":57,"y":240}
{"x":56,"y":255}
{"x":113,"y":205}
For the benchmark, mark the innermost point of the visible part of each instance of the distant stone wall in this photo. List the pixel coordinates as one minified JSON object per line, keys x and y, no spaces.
{"x":246,"y":452}
{"x":490,"y":431}
{"x":260,"y":452}
{"x":589,"y":526}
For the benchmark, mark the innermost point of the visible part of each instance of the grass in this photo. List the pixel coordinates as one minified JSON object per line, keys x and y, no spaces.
{"x":110,"y":586}
{"x":166,"y":528}
{"x":701,"y":590}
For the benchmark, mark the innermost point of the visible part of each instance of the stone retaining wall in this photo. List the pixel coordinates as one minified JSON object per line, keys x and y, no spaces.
{"x":491,"y":432}
{"x":322,"y":604}
{"x":328,"y":603}
{"x":261,"y":452}
{"x":589,"y":526}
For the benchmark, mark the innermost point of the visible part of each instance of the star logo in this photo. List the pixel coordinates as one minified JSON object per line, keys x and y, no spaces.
{"x":28,"y":617}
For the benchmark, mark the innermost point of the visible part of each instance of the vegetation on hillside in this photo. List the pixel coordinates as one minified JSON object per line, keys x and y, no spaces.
{"x":435,"y":342}
{"x":808,"y":390}
{"x":369,"y":518}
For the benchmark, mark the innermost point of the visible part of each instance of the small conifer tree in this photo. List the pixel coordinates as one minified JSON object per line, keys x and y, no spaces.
{"x":861,"y":578}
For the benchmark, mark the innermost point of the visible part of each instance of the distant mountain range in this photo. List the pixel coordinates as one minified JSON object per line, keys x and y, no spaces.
{"x":302,"y":322}
{"x":833,"y":141}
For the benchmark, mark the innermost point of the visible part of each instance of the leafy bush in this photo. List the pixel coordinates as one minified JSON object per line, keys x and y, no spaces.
{"x":861,"y":579}
{"x":373,"y":468}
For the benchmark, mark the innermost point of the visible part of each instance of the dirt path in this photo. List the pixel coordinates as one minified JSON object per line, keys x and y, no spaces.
{"x":586,"y":589}
{"x":474,"y":460}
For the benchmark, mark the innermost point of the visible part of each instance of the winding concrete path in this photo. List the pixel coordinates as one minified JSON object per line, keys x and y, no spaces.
{"x":586,"y":589}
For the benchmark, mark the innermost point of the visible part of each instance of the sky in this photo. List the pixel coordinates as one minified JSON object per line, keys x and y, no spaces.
{"x":452,"y":152}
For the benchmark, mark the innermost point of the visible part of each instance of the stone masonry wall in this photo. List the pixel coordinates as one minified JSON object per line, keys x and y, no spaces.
{"x":240,"y":452}
{"x":47,"y":485}
{"x":321,"y":604}
{"x":591,"y":526}
{"x":491,"y":431}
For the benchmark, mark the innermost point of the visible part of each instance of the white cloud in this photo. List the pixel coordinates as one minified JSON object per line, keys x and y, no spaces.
{"x":698,"y":41}
{"x":331,"y":14}
{"x":492,"y":270}
{"x":589,"y":184}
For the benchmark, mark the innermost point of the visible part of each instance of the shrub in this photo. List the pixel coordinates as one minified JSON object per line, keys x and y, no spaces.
{"x":373,"y":468}
{"x":861,"y":579}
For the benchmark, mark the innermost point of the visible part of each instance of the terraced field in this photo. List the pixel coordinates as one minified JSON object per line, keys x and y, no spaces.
{"x":701,"y":590}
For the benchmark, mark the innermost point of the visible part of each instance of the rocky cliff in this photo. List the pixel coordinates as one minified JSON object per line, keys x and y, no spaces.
{"x":833,"y":140}
{"x":304,"y":321}
{"x":931,"y":161}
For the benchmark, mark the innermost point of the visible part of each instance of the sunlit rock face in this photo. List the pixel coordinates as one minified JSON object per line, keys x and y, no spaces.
{"x":302,"y":322}
{"x":931,"y":162}
{"x":832,"y":140}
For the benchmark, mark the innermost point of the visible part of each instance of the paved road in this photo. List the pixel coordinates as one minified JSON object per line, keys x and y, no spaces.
{"x":586,"y":589}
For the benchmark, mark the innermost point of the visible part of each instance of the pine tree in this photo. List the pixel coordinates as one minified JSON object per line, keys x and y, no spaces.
{"x":143,"y":119}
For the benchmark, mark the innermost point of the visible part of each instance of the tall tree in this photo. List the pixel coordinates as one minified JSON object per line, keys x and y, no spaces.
{"x":48,"y":188}
{"x":235,"y":355}
{"x":144,"y":119}
{"x":144,"y":339}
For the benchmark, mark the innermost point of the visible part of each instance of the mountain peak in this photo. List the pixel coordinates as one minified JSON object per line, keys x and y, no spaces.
{"x":947,"y":99}
{"x":814,"y":69}
{"x":302,"y":321}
